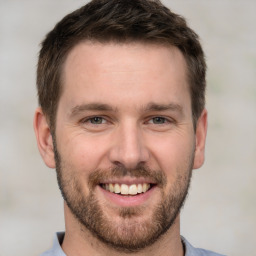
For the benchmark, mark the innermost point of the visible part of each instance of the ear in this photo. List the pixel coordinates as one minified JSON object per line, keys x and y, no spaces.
{"x":44,"y":138}
{"x":201,"y":130}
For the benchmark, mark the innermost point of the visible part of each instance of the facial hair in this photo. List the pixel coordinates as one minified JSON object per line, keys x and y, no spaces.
{"x":129,"y":234}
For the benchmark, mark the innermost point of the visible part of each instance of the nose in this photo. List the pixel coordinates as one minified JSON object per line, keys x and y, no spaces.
{"x":129,"y":147}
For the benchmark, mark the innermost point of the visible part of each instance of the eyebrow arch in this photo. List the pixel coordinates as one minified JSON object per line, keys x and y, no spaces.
{"x":164,"y":107}
{"x":105,"y":107}
{"x":91,"y":106}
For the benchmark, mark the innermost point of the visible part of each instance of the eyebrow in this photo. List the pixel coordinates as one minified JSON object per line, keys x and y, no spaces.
{"x":92,"y":106}
{"x":163,"y":107}
{"x":150,"y":107}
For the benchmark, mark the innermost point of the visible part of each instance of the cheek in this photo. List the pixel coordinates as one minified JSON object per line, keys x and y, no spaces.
{"x":173,"y":154}
{"x":85,"y":154}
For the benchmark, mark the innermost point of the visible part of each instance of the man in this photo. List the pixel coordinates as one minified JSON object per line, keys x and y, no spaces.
{"x":121,"y":89}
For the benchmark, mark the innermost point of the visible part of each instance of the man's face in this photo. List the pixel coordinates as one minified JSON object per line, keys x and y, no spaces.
{"x":124,"y":140}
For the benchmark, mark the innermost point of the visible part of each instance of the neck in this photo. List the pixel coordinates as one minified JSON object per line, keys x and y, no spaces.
{"x":79,"y":241}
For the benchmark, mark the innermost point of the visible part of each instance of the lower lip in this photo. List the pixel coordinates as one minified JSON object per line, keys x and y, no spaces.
{"x":126,"y":200}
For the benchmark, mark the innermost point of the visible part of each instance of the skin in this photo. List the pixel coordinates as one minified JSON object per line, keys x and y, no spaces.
{"x":128,"y":78}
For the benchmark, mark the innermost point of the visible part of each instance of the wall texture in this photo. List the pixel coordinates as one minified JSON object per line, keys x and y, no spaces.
{"x":220,"y":211}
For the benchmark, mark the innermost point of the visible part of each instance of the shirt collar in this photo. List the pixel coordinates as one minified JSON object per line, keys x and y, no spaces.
{"x":56,"y":249}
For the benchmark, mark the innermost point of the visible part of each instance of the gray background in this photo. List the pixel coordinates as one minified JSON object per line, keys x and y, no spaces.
{"x":220,"y":213}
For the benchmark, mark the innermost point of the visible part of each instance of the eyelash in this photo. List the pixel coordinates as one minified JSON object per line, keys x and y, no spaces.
{"x":90,"y":119}
{"x":164,"y":120}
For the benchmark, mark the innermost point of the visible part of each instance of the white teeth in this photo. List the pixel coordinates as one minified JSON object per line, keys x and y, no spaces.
{"x":117,"y":188}
{"x":125,"y":189}
{"x":144,"y":187}
{"x":111,"y":188}
{"x":139,"y":188}
{"x":133,"y":190}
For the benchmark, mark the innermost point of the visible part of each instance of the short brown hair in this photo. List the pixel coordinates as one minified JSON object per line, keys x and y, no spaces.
{"x":120,"y":21}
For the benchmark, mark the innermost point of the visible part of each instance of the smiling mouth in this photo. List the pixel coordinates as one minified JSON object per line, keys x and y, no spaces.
{"x":124,"y":189}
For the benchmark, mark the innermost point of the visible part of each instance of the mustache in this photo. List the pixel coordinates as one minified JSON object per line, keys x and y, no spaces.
{"x":141,"y":171}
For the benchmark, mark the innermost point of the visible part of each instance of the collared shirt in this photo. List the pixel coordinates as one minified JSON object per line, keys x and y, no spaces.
{"x":56,"y":249}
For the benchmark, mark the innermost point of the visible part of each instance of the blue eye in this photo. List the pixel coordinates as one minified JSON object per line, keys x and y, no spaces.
{"x":158,"y":120}
{"x":96,"y":120}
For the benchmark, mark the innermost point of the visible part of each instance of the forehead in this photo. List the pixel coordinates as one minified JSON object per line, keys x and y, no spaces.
{"x":139,"y":72}
{"x":133,"y":55}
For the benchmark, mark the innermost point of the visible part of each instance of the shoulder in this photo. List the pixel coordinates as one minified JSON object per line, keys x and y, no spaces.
{"x":192,"y":251}
{"x":47,"y":253}
{"x":56,"y":248}
{"x":203,"y":252}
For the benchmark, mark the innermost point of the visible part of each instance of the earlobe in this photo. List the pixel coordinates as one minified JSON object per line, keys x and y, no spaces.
{"x":201,"y":131}
{"x":44,"y":138}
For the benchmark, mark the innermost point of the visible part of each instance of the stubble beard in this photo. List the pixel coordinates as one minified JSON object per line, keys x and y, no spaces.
{"x":128,"y":235}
